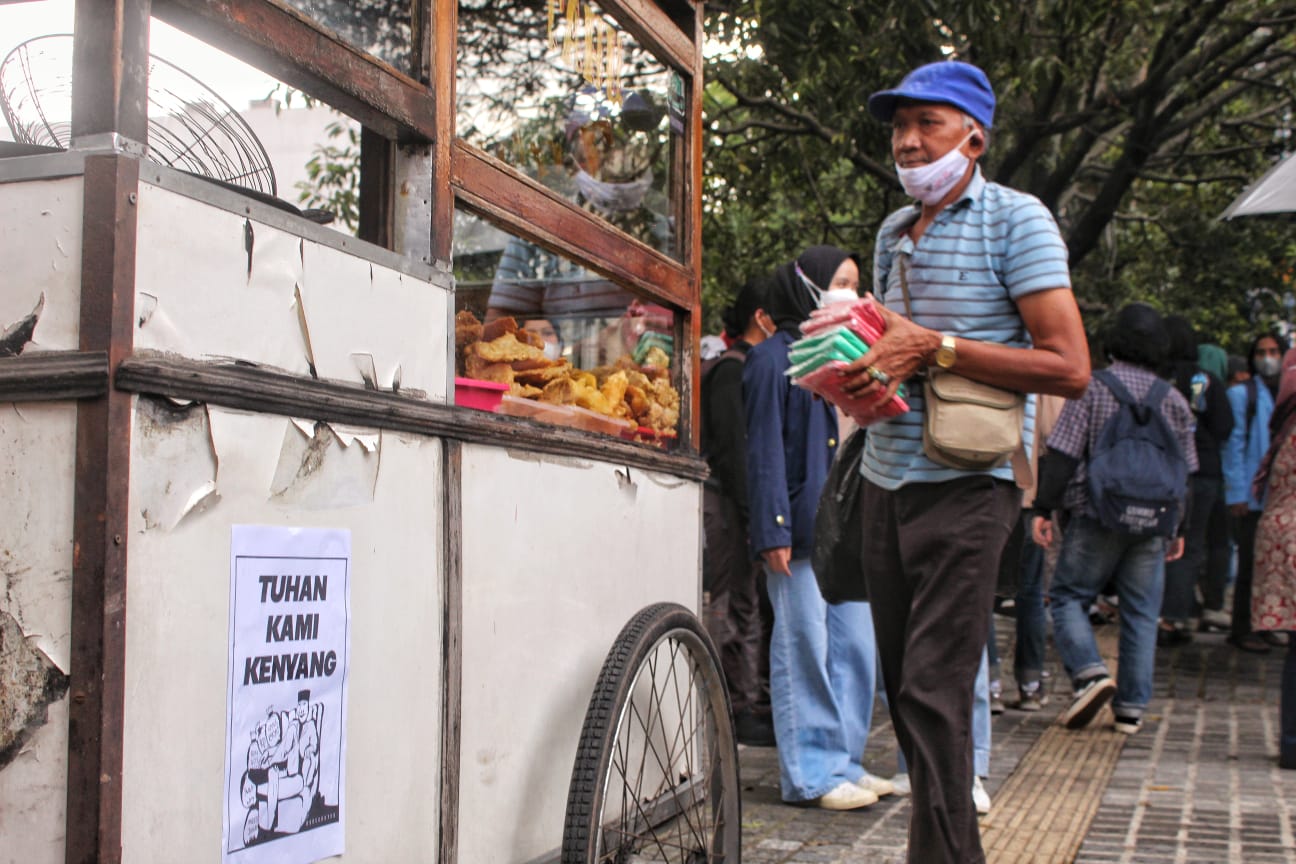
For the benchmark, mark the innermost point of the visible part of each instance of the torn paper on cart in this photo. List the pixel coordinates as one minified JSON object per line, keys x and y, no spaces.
{"x":285,"y":740}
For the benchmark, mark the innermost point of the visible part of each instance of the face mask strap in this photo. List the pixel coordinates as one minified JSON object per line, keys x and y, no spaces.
{"x":816,"y":293}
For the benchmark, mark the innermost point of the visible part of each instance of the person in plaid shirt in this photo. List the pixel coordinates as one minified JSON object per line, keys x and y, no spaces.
{"x":1093,"y":554}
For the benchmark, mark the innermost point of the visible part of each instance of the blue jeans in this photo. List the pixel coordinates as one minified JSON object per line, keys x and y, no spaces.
{"x":823,"y":672}
{"x":1028,"y":651}
{"x":1091,"y":555}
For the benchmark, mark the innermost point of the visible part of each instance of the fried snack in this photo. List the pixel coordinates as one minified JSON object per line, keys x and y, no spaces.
{"x":534,"y":362}
{"x":524,"y":391}
{"x":560,"y":391}
{"x":484,"y":370}
{"x":530,"y":337}
{"x":656,"y":358}
{"x":506,"y":349}
{"x":542,"y":375}
{"x":467,"y":329}
{"x":637,"y":401}
{"x":585,"y":379}
{"x":614,"y":388}
{"x":498,"y":327}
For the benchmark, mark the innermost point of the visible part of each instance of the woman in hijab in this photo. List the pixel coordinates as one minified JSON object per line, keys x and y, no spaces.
{"x":822,"y":658}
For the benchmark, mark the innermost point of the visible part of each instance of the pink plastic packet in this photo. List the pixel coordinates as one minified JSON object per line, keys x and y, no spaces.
{"x":861,"y":317}
{"x":825,"y":382}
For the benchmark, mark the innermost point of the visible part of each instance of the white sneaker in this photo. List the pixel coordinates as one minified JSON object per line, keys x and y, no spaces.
{"x":980,"y":797}
{"x":877,"y":785}
{"x":847,"y":796}
{"x":900,"y":785}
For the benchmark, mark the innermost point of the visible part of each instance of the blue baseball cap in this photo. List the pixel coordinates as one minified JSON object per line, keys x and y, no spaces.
{"x":948,"y":82}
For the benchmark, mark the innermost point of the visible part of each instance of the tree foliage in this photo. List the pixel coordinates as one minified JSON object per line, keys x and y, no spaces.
{"x":1135,"y":121}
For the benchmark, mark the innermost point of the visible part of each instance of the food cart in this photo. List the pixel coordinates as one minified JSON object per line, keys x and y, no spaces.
{"x":489,"y":649}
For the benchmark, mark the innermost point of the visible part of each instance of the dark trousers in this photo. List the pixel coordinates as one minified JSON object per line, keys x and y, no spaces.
{"x":1244,"y":531}
{"x":931,"y":558}
{"x":1182,"y":576}
{"x":1219,"y":553}
{"x":732,"y":617}
{"x":1287,"y":711}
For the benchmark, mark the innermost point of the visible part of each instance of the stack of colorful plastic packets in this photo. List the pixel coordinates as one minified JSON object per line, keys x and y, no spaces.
{"x":832,"y":338}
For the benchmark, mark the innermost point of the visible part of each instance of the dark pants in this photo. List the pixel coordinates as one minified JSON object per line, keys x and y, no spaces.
{"x":1244,"y":531}
{"x":1032,"y":625}
{"x":732,"y":616}
{"x":931,"y":558}
{"x":1219,"y":553}
{"x":1183,"y":575}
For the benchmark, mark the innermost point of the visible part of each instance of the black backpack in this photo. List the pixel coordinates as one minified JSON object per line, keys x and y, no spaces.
{"x":1137,"y":472}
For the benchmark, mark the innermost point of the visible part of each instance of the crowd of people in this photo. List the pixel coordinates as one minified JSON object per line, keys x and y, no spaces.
{"x":1156,"y":473}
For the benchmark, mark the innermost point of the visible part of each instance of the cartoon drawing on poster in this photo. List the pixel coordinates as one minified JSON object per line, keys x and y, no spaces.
{"x":286,"y":732}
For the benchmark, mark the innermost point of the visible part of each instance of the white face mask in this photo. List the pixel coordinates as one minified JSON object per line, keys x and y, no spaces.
{"x":931,"y":182}
{"x":1268,"y":366}
{"x":552,"y":350}
{"x":837,"y":295}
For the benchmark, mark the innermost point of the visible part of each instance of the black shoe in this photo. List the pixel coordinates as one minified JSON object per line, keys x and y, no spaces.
{"x":1250,"y":642}
{"x":1091,"y":695}
{"x":1127,"y":724}
{"x":754,"y":731}
{"x":1277,"y":640}
{"x":1168,"y":637}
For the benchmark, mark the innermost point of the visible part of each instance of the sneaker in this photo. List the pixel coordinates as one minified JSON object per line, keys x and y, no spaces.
{"x":996,"y":698}
{"x":1091,"y":695}
{"x":1030,"y":698}
{"x":879,"y":786}
{"x":980,"y":797}
{"x":1214,"y":621}
{"x":1128,"y":723}
{"x":900,"y":784}
{"x":846,"y":796}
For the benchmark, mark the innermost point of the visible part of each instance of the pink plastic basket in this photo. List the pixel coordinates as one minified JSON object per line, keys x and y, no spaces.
{"x":482,"y":395}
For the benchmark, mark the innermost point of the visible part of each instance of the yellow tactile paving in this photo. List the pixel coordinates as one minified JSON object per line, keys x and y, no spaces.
{"x":1043,"y":810}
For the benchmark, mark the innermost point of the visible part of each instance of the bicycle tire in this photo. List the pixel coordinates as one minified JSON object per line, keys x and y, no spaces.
{"x":660,"y":693}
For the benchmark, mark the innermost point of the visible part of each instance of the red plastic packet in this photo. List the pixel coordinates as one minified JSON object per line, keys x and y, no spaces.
{"x":826,"y":382}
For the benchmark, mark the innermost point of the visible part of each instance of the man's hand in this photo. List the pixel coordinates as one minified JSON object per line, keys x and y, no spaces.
{"x":1175,"y":549}
{"x":904,"y":349}
{"x":1042,"y":531}
{"x":777,"y":559}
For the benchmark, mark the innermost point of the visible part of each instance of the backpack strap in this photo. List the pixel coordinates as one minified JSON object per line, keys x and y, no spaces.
{"x":1112,"y":383}
{"x":1152,"y":399}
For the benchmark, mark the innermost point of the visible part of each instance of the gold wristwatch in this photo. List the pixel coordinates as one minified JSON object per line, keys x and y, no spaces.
{"x":946,"y":354}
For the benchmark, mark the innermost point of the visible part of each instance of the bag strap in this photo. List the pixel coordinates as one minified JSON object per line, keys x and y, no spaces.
{"x":904,"y":287}
{"x":1023,"y":476}
{"x":1152,"y":399}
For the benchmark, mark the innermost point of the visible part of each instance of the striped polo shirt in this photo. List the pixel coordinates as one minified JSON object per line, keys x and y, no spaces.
{"x":982,"y":253}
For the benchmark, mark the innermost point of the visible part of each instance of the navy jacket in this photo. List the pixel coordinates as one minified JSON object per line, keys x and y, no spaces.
{"x":791,"y":440}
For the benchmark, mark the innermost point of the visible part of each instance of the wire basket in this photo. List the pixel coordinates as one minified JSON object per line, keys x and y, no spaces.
{"x":190,"y":127}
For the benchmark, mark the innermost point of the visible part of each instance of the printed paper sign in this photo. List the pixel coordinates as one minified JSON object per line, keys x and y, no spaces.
{"x":285,"y":744}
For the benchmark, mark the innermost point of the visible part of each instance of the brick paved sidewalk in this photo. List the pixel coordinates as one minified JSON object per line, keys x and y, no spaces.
{"x":1199,"y":783}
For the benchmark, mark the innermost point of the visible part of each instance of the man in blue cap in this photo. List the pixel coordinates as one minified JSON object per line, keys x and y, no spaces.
{"x":980,"y":272}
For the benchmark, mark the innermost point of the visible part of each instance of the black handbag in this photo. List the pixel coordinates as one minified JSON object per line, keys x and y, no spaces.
{"x":837,"y":556}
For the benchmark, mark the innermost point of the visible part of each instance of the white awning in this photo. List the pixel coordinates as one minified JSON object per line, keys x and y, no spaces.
{"x":1275,"y":192}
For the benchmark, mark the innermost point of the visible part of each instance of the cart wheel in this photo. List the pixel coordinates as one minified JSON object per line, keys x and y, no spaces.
{"x":656,"y":773}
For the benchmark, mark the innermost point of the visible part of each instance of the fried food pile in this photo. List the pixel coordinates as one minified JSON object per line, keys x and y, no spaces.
{"x":639,"y":396}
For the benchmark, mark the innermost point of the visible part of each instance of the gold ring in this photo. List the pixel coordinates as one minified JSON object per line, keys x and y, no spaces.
{"x":878,"y":375}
